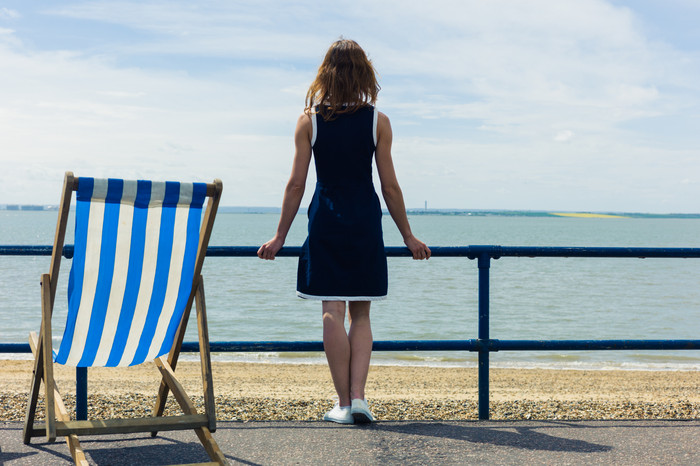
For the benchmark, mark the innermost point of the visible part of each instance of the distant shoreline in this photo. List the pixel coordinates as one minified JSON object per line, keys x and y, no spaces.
{"x":419,"y":211}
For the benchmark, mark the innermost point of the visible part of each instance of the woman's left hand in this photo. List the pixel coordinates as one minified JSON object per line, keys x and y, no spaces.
{"x":417,"y":248}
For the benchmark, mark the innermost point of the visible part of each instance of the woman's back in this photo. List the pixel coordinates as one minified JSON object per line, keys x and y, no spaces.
{"x":343,"y":147}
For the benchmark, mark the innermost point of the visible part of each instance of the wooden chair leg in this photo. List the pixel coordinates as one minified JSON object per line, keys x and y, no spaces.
{"x":210,"y":445}
{"x":207,"y":380}
{"x":205,"y":356}
{"x":34,"y":389}
{"x":47,"y":354}
{"x":60,"y":409}
{"x":76,"y":450}
{"x":188,"y":407}
{"x":170,"y":383}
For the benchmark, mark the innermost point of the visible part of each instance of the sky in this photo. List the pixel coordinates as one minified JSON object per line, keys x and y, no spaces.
{"x":560,"y":105}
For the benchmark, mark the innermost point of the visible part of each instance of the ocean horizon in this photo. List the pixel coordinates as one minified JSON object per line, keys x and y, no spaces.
{"x":419,"y":211}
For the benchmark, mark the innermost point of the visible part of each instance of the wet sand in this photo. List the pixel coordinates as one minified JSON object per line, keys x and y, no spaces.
{"x":247,"y":391}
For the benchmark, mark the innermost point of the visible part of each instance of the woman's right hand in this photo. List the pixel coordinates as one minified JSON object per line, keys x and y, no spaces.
{"x":269,"y":250}
{"x":418,"y":248}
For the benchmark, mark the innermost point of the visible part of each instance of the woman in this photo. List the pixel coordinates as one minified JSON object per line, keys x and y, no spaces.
{"x":343,"y":258}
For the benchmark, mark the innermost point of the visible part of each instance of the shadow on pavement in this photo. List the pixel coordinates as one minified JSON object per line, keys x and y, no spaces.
{"x":159,"y":451}
{"x":518,"y":437}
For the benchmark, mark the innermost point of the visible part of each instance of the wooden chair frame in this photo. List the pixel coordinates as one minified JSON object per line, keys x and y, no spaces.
{"x":58,"y":421}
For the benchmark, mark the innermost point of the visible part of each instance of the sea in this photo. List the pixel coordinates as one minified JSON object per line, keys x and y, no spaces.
{"x":531,"y":298}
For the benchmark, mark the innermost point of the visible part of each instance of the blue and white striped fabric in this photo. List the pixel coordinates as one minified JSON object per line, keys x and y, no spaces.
{"x":135,"y":249}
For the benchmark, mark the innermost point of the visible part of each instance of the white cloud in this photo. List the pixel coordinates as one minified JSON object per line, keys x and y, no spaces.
{"x":219,"y":29}
{"x":564,"y":136}
{"x":8,"y":13}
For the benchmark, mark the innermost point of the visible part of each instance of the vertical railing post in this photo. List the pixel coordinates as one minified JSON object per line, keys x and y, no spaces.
{"x":484,"y":263}
{"x":81,"y":393}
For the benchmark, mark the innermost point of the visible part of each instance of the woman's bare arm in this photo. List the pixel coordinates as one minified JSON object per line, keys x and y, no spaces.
{"x":391,"y":191}
{"x":294,"y":191}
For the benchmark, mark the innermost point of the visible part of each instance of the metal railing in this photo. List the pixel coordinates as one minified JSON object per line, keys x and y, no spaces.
{"x":483,"y":344}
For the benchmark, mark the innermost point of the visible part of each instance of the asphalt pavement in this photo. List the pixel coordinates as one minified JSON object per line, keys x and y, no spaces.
{"x":406,"y":443}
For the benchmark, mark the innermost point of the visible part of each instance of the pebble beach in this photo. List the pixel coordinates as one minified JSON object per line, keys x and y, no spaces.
{"x":303,"y":392}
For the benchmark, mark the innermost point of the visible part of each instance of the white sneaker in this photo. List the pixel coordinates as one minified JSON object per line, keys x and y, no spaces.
{"x":360,"y":412}
{"x":339,"y":414}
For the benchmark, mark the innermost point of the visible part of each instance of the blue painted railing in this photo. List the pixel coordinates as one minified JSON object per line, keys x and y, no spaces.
{"x":483,"y":344}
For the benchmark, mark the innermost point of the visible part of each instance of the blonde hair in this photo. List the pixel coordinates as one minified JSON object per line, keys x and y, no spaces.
{"x":346,"y":81}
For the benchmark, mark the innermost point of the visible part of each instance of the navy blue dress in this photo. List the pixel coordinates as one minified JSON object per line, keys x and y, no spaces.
{"x":343,"y":258}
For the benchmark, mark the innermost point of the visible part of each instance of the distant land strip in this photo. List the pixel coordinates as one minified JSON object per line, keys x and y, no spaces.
{"x":543,"y":213}
{"x":416,"y":211}
{"x":586,"y":215}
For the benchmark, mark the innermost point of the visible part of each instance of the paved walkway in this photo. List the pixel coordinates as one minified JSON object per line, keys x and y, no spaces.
{"x":405,"y":443}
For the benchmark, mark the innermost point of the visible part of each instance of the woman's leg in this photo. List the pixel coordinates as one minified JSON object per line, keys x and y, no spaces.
{"x":337,"y":347}
{"x":360,"y":337}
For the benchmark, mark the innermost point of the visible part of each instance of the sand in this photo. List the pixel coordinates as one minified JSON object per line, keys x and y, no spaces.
{"x":247,"y":391}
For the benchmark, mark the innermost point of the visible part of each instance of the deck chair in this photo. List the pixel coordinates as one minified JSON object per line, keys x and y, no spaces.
{"x":138,"y":255}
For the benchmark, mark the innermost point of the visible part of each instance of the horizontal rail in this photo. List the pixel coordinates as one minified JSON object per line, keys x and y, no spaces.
{"x":472,"y":252}
{"x":311,"y":346}
{"x":598,"y":345}
{"x":491,"y":345}
{"x":455,"y":345}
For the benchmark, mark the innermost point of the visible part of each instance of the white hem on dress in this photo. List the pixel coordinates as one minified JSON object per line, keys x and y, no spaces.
{"x":340,"y":298}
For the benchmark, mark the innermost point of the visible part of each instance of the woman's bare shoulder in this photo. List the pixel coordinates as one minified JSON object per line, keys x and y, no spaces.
{"x":304,"y":119}
{"x":304,"y":124}
{"x":383,"y":123}
{"x":381,"y":116}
